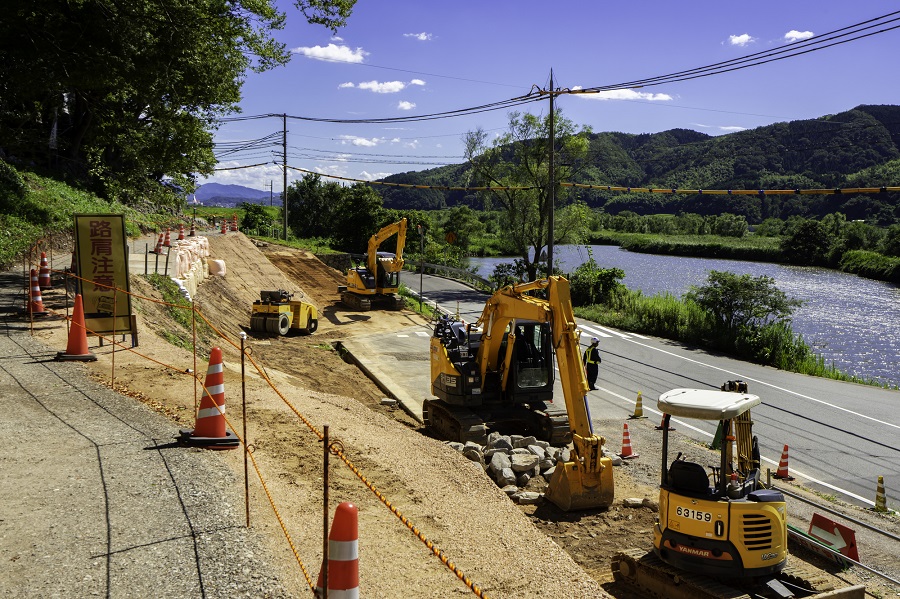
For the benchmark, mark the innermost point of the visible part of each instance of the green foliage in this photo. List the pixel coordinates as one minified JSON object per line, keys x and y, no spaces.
{"x":508,"y":273}
{"x":872,"y":265}
{"x":890,"y":246}
{"x":129,"y":92}
{"x":742,"y":302}
{"x":179,"y":310}
{"x":256,"y":217}
{"x":590,"y":284}
{"x":12,"y":187}
{"x":356,"y":218}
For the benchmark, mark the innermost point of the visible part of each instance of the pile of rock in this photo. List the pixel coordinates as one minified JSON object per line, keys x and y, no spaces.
{"x":513,"y":461}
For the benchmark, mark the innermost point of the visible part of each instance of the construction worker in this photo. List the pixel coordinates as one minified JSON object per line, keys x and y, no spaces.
{"x":592,"y":363}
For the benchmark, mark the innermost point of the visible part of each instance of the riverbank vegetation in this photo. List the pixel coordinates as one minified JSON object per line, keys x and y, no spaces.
{"x":743,"y":316}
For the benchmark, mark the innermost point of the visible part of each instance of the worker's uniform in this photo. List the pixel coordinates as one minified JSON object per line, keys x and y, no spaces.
{"x":592,"y":364}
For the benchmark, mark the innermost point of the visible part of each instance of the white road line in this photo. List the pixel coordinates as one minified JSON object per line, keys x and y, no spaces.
{"x":402,"y":335}
{"x":593,"y":332}
{"x":761,"y":382}
{"x":423,"y":334}
{"x":763,"y":458}
{"x":603,"y":331}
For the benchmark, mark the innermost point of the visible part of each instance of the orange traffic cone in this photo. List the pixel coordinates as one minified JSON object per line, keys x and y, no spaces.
{"x":36,"y":302}
{"x":193,"y":230}
{"x":224,"y":227}
{"x":168,"y":241}
{"x":234,"y":222}
{"x":159,"y":245}
{"x":627,"y":454}
{"x":209,"y":429}
{"x":880,"y":497}
{"x":77,"y":347}
{"x":44,"y":273}
{"x":343,"y":554}
{"x":662,"y":424}
{"x":782,"y":471}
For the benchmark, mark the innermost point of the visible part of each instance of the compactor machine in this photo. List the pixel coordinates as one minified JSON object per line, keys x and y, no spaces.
{"x":499,"y":374}
{"x":377,"y":282}
{"x":277,"y":313}
{"x":719,"y":532}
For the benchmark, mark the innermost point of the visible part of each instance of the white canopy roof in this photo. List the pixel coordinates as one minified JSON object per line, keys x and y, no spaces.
{"x":706,"y":404}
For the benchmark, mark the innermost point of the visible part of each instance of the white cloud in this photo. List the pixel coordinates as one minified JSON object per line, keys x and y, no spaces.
{"x":367,"y":176}
{"x":731,"y":128}
{"x":332,"y":52}
{"x":625,"y":94}
{"x":346,"y":85}
{"x":360,"y":141}
{"x":417,"y":82}
{"x":422,"y":37}
{"x":741,"y":40}
{"x":414,"y":144}
{"x":386,"y":87}
{"x":337,"y":38}
{"x":795,"y":36}
{"x":404,"y":105}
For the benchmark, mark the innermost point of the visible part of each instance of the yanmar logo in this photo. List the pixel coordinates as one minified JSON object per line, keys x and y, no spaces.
{"x":694,"y":551}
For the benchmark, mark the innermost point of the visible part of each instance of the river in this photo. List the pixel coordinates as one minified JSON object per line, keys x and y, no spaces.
{"x":851,"y":321}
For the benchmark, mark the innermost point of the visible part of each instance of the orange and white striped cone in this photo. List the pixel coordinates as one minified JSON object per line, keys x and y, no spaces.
{"x":181,"y":232}
{"x":234,"y":222}
{"x":662,"y":424}
{"x":159,"y":245}
{"x":168,"y":241}
{"x":627,"y":452}
{"x":880,"y":499}
{"x":44,"y":273}
{"x":782,"y":471}
{"x":343,"y":555}
{"x":35,"y":301}
{"x":77,"y":346}
{"x":209,"y":430}
{"x":193,"y":232}
{"x":224,"y":227}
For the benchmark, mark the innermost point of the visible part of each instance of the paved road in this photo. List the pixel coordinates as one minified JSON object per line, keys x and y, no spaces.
{"x":841,"y":436}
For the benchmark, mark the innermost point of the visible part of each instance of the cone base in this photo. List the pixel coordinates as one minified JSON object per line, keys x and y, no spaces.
{"x":628,"y":457}
{"x":64,"y":357}
{"x":783,"y":476}
{"x":659,"y":428}
{"x":229,"y":441}
{"x":633,"y":417}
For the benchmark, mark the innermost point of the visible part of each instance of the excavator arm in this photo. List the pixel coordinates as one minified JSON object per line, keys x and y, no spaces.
{"x":396,"y":263}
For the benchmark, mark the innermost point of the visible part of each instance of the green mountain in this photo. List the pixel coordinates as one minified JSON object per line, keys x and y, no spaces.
{"x":856,"y":148}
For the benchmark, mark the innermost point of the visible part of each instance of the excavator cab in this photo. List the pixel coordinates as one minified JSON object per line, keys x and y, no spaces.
{"x":717,"y":519}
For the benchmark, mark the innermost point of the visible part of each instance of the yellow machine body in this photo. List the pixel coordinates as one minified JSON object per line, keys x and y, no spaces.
{"x":277,"y":313}
{"x":378,"y":280}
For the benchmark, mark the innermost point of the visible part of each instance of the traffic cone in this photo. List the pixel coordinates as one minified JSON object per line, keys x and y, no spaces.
{"x":638,"y":408}
{"x":44,"y":273}
{"x":77,"y":347}
{"x":627,"y":454}
{"x":159,"y":245}
{"x":880,"y":499}
{"x":193,"y":232}
{"x":36,"y":302}
{"x":224,"y":226}
{"x":209,"y":429}
{"x":181,"y":232}
{"x":343,"y":555}
{"x":234,"y":222}
{"x":168,"y":242}
{"x":782,"y":471}
{"x":662,"y":423}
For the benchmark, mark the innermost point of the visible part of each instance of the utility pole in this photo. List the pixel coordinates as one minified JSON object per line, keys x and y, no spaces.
{"x":552,"y":173}
{"x":284,"y":173}
{"x":270,"y":192}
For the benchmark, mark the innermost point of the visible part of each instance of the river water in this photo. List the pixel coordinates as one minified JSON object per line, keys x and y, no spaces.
{"x":851,"y":321}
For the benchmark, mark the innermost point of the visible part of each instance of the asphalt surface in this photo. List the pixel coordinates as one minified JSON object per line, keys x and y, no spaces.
{"x":96,"y":499}
{"x":841,"y":436}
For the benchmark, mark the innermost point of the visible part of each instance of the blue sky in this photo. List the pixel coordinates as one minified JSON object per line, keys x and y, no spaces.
{"x":412,"y":57}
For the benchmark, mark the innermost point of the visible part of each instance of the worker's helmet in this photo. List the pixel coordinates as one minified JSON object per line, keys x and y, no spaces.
{"x":594,"y":340}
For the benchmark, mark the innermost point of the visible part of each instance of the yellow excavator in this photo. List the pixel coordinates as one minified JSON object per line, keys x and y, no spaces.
{"x":498,"y":373}
{"x":376,"y":283}
{"x":719,"y":533}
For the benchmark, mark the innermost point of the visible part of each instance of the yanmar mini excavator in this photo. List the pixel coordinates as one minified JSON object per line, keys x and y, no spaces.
{"x":499,"y":374}
{"x":376,"y":283}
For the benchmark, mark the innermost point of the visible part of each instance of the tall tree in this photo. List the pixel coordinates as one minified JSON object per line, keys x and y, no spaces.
{"x":519,"y":159}
{"x":129,"y":91}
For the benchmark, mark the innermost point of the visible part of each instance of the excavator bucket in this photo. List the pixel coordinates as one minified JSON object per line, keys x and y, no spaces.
{"x":572,"y":489}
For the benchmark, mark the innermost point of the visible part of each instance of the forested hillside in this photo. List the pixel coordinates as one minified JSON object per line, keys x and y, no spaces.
{"x":857,"y":148}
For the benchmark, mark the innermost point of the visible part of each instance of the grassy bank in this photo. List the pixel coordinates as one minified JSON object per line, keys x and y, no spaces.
{"x":749,"y":247}
{"x":672,"y":318}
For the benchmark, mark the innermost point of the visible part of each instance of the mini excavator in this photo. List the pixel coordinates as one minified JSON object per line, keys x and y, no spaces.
{"x":376,"y":283}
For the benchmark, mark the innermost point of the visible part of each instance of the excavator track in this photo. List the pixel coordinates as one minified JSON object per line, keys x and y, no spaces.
{"x":653,"y":577}
{"x":453,"y":423}
{"x":356,"y":302}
